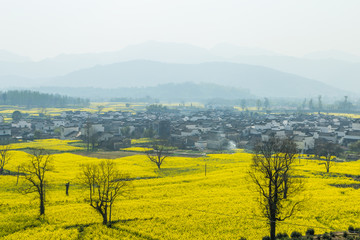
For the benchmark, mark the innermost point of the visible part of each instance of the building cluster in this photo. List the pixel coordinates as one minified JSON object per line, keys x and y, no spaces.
{"x":188,"y":128}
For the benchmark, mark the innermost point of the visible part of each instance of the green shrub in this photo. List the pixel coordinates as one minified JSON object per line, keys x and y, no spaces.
{"x":282,"y":235}
{"x":310,"y":232}
{"x":296,"y":234}
{"x":326,"y":236}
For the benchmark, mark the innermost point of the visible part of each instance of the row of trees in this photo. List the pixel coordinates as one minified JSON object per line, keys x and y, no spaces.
{"x":265,"y":104}
{"x":307,"y":104}
{"x":317,"y":105}
{"x":104,"y":182}
{"x":29,"y":99}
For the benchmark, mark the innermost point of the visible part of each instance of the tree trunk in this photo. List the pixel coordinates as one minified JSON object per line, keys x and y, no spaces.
{"x":272,"y":229}
{"x":104,"y":215}
{"x":104,"y":219}
{"x":327,"y":165}
{"x":42,"y":205}
{"x":285,"y":187}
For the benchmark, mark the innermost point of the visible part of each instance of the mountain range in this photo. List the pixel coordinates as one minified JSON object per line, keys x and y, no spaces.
{"x":263,"y":72}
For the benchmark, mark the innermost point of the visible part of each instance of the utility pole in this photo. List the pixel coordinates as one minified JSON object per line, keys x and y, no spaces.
{"x":67,"y":185}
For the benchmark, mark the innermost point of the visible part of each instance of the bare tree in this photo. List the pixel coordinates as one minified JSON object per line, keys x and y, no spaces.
{"x":319,"y":103}
{"x":106,"y":184}
{"x":34,"y":174}
{"x":88,"y":133}
{"x":5,"y":157}
{"x":266,"y":103}
{"x":243,"y":104}
{"x":258,"y":104}
{"x":328,"y":163}
{"x":100,"y":108}
{"x":328,"y":150}
{"x":271,"y":169}
{"x":90,"y":136}
{"x":158,"y":154}
{"x":289,"y":154}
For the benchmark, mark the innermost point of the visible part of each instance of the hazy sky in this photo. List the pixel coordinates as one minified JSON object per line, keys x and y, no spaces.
{"x":45,"y":28}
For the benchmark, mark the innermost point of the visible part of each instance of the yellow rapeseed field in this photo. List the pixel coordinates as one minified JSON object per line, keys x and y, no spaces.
{"x":176,"y":202}
{"x":48,"y":144}
{"x":142,"y":140}
{"x":136,"y":149}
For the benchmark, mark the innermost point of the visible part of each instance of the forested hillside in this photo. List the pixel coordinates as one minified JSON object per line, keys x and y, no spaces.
{"x":28,"y":98}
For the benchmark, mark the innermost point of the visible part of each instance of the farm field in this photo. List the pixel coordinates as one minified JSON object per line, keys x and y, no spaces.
{"x":177,"y":202}
{"x":6,"y":111}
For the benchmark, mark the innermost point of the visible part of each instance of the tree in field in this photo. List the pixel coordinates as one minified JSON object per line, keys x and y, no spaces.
{"x":5,"y":157}
{"x":303,"y":105}
{"x":125,"y":131}
{"x":100,"y":108}
{"x":149,"y":132}
{"x":319,"y":103}
{"x":90,"y":136}
{"x":258,"y":104}
{"x":355,"y":147}
{"x":328,"y":150}
{"x":243,"y":104}
{"x":266,"y":103}
{"x":158,"y":154}
{"x":16,"y":116}
{"x":271,"y":171}
{"x":105,"y":183}
{"x":311,"y":104}
{"x":34,"y":173}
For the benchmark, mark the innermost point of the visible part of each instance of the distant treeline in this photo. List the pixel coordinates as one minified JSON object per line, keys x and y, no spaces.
{"x":135,"y":100}
{"x":174,"y":92}
{"x":29,"y":98}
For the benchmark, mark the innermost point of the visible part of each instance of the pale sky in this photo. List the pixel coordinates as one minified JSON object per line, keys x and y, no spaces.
{"x":45,"y":28}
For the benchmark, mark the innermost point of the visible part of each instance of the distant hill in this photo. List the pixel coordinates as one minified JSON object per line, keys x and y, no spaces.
{"x":227,"y":51}
{"x":334,"y":54}
{"x":66,"y":63}
{"x":6,"y":56}
{"x":338,"y":73}
{"x":335,"y":68}
{"x":259,"y":80}
{"x":29,"y":99}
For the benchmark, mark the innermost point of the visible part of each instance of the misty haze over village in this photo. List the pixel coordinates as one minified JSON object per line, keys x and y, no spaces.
{"x":183,"y":119}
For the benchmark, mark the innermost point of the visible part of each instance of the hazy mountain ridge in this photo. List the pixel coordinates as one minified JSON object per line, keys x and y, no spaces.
{"x":319,"y":66}
{"x":6,"y":56}
{"x":259,"y":80}
{"x":67,"y":63}
{"x":333,"y":54}
{"x":338,"y":73}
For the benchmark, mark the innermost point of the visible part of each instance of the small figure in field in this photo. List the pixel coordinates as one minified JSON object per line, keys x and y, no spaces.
{"x":67,"y":188}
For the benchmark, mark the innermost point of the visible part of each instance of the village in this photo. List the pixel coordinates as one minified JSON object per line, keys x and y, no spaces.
{"x":185,"y":128}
